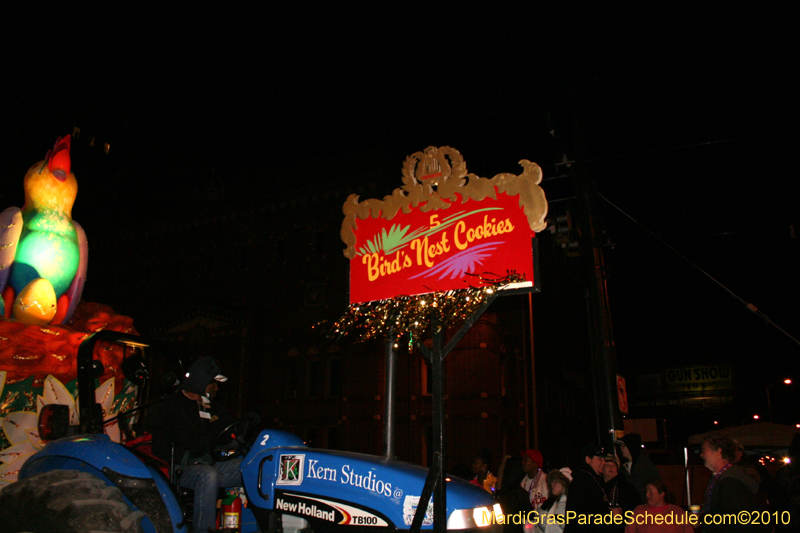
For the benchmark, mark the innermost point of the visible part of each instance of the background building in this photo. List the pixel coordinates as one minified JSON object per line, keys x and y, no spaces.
{"x":252,"y":278}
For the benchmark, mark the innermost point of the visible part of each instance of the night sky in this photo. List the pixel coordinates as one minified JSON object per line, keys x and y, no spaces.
{"x":684,"y":117}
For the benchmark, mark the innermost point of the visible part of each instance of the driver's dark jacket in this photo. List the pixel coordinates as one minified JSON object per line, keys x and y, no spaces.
{"x":177,"y":419}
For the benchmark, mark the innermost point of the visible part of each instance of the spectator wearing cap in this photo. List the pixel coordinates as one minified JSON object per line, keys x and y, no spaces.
{"x":638,"y":468}
{"x":587,"y":497}
{"x":551,"y":515}
{"x":622,"y":495}
{"x":535,"y":480}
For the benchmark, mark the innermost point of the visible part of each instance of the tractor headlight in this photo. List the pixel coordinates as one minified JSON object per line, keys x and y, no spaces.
{"x":477,"y":517}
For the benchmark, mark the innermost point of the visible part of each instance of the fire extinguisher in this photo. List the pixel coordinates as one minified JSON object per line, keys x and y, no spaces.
{"x":231,"y":510}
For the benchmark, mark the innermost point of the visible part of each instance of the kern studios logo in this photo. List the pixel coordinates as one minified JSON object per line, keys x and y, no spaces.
{"x":291,"y":470}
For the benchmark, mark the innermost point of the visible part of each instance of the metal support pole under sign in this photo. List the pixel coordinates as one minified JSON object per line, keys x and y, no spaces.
{"x":435,"y":484}
{"x":391,"y":385}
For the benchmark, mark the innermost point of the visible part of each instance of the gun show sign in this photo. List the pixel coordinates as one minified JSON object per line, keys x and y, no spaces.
{"x":699,"y":381}
{"x":443,"y":230}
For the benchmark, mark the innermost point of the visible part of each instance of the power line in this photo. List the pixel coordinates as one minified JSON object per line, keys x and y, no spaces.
{"x":671,"y":148}
{"x":752,"y":308}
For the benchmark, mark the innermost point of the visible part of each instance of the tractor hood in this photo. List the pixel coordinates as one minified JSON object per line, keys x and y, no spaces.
{"x":349,"y":488}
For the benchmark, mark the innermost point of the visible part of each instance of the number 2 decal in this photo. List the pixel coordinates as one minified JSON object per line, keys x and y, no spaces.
{"x":266,"y":438}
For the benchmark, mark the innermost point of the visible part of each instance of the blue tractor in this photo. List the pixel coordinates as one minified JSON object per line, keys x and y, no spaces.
{"x":85,"y":482}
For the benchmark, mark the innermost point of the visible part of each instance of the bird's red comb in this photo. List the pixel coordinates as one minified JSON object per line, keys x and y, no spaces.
{"x":58,"y":160}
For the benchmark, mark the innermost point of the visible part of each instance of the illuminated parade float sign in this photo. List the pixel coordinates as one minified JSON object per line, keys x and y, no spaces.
{"x":444,"y":230}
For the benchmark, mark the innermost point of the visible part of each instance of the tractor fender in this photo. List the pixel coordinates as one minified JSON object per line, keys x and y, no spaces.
{"x":143,"y":486}
{"x":96,"y":451}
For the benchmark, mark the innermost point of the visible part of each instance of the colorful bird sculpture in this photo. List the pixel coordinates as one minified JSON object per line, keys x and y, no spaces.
{"x":43,"y":252}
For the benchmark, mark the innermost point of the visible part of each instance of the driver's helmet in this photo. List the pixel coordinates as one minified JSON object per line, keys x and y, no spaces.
{"x":200,"y":374}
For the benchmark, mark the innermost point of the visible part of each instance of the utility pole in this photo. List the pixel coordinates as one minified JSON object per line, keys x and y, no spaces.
{"x":604,"y":355}
{"x":590,"y":243}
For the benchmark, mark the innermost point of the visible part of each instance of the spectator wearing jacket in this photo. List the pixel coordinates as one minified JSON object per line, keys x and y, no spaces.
{"x":587,"y":497}
{"x":730,"y":490}
{"x":639,"y":469}
{"x":622,"y":495}
{"x":535,"y":480}
{"x":551,"y":515}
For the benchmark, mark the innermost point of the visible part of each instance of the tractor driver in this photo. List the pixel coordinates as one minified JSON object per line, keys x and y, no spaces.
{"x":190,"y":419}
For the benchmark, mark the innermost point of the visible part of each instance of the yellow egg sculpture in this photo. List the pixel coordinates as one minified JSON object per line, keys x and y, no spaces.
{"x":36,"y":304}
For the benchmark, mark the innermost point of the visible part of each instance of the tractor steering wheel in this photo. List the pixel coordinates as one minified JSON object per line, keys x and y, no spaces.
{"x":235,"y":440}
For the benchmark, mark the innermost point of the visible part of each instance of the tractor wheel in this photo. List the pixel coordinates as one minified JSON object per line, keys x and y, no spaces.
{"x":65,"y":501}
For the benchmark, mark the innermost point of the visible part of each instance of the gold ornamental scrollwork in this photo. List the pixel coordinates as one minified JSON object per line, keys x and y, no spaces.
{"x":436,"y":178}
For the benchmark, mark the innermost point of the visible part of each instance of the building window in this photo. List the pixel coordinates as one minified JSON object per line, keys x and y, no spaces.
{"x":334,"y":377}
{"x":292,"y":378}
{"x":315,"y":378}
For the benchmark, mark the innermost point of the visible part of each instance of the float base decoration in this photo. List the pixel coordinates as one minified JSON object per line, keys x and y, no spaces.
{"x":38,"y":366}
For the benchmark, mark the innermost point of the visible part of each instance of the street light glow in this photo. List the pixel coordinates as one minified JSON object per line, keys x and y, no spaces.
{"x":786,"y":381}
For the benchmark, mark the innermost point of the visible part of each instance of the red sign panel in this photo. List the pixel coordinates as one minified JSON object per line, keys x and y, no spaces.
{"x":442,"y":236}
{"x":424,"y":252}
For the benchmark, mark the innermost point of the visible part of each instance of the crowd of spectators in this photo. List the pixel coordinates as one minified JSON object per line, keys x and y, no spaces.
{"x":621,"y":490}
